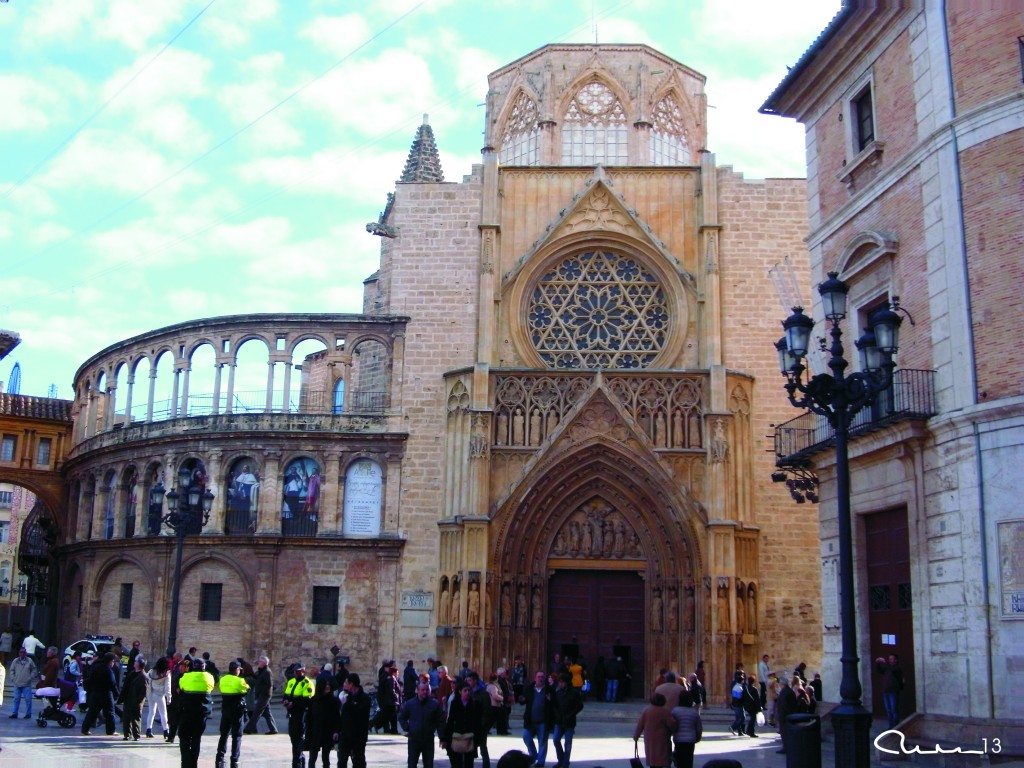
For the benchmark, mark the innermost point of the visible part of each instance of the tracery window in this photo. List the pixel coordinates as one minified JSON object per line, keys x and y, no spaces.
{"x":519,"y":144}
{"x":668,"y":136}
{"x":594,"y":128}
{"x":598,"y":309}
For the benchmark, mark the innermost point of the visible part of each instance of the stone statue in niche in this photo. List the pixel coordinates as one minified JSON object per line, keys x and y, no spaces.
{"x":517,"y":427}
{"x":619,"y":548}
{"x":741,"y":608}
{"x":559,"y":547}
{"x":574,"y":538}
{"x":719,"y":445}
{"x":502,"y":430}
{"x":444,"y":605}
{"x":707,"y":605}
{"x":536,"y":608}
{"x":522,"y":609}
{"x":473,"y":605}
{"x":677,"y":430}
{"x":456,"y":617}
{"x":689,"y":608}
{"x":506,"y":606}
{"x":673,"y":610}
{"x":587,"y":543}
{"x":635,"y":550}
{"x":752,"y":608}
{"x":656,"y":609}
{"x":723,"y":608}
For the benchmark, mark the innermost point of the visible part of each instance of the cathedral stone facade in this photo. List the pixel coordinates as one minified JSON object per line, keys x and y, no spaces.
{"x":545,"y":433}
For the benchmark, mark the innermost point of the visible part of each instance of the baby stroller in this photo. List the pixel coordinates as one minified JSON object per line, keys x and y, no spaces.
{"x":59,"y":699}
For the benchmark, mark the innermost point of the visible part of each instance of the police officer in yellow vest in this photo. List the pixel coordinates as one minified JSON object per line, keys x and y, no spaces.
{"x":196,"y":708}
{"x":297,"y":694}
{"x":232,"y":713}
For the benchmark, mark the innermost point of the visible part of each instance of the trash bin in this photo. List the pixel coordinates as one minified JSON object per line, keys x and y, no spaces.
{"x":803,"y":741}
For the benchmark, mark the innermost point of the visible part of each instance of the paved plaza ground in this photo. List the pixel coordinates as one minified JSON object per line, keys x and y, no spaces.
{"x":603,"y":738}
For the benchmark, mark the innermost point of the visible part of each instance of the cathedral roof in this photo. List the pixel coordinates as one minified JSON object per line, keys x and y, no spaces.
{"x":423,"y":163}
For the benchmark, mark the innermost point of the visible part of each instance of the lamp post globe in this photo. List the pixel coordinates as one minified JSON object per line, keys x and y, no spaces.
{"x":838,"y":397}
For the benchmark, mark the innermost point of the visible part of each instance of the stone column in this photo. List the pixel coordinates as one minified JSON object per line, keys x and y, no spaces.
{"x":128,"y":400}
{"x":269,"y":520}
{"x":152,"y":393}
{"x":215,"y":484}
{"x":330,"y":498}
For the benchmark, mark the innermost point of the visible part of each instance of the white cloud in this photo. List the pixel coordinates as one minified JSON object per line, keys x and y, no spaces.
{"x":371,"y":96}
{"x":338,"y":35}
{"x":36,"y":102}
{"x":231,"y":24}
{"x":106,"y":160}
{"x":352,"y":172}
{"x":745,"y":139}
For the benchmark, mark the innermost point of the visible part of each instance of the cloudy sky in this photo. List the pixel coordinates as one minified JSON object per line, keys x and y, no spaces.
{"x":165,"y":161}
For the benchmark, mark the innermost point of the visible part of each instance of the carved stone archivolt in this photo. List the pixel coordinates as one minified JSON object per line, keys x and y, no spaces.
{"x":596,"y":530}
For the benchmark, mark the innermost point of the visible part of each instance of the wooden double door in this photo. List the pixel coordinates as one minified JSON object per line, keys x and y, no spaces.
{"x":595,"y":613}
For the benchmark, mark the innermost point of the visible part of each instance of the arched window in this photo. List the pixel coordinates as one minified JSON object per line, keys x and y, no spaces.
{"x":339,"y":395}
{"x":301,"y":500}
{"x":594,"y":129}
{"x":243,"y":487}
{"x":364,"y":488}
{"x":668,"y":137}
{"x":598,"y":309}
{"x":108,"y":511}
{"x":520,"y":142}
{"x":131,"y":501}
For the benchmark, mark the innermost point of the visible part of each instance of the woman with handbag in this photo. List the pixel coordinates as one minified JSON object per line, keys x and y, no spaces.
{"x":463,"y":728}
{"x":657,"y":726}
{"x":689,"y":730}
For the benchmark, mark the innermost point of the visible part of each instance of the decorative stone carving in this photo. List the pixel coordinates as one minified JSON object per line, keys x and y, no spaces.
{"x":596,"y":530}
{"x":719,"y":443}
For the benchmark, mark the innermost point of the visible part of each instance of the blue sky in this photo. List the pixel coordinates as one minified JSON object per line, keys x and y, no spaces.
{"x":165,"y":161}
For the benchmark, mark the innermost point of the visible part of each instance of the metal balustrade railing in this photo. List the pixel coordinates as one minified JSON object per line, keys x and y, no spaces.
{"x":309,"y":402}
{"x":912,"y":396}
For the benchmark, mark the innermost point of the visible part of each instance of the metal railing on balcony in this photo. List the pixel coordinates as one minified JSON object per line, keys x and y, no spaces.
{"x":314,"y":402}
{"x":912,"y":396}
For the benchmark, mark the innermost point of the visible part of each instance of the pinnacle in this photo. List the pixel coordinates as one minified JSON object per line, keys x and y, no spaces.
{"x":423,"y":163}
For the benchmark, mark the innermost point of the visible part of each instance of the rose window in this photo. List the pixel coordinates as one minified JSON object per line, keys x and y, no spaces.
{"x":598,"y":310}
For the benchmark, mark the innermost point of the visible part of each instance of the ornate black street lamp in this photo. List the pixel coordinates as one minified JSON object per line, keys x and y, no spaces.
{"x":838,"y":397}
{"x":187,"y":513}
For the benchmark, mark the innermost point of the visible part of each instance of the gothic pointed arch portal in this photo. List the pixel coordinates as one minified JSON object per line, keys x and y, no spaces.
{"x":599,"y":548}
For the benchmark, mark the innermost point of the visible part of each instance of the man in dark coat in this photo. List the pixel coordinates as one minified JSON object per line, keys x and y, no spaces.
{"x":892,"y":684}
{"x":355,"y":724}
{"x":784,"y":706}
{"x":751,"y":704}
{"x":133,"y":695}
{"x":102,"y":690}
{"x":568,"y":704}
{"x":410,"y":679}
{"x":263,"y":686}
{"x":538,"y":717}
{"x":420,"y":717}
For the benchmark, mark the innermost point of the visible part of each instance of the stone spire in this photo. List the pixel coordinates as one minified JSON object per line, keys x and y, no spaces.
{"x":423,"y":163}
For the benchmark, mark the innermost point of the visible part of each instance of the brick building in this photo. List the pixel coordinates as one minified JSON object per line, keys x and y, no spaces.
{"x":545,"y":433}
{"x":915,"y":125}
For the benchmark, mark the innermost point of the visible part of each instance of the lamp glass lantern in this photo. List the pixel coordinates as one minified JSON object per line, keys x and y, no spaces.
{"x":798,"y":328}
{"x":885,"y":324}
{"x":870,"y":355}
{"x":833,"y":297}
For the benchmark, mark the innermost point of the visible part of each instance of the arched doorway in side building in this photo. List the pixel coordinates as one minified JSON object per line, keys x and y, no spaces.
{"x":599,"y":614}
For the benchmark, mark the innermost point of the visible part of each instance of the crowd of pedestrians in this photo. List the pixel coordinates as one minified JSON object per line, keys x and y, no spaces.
{"x":328,"y":711}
